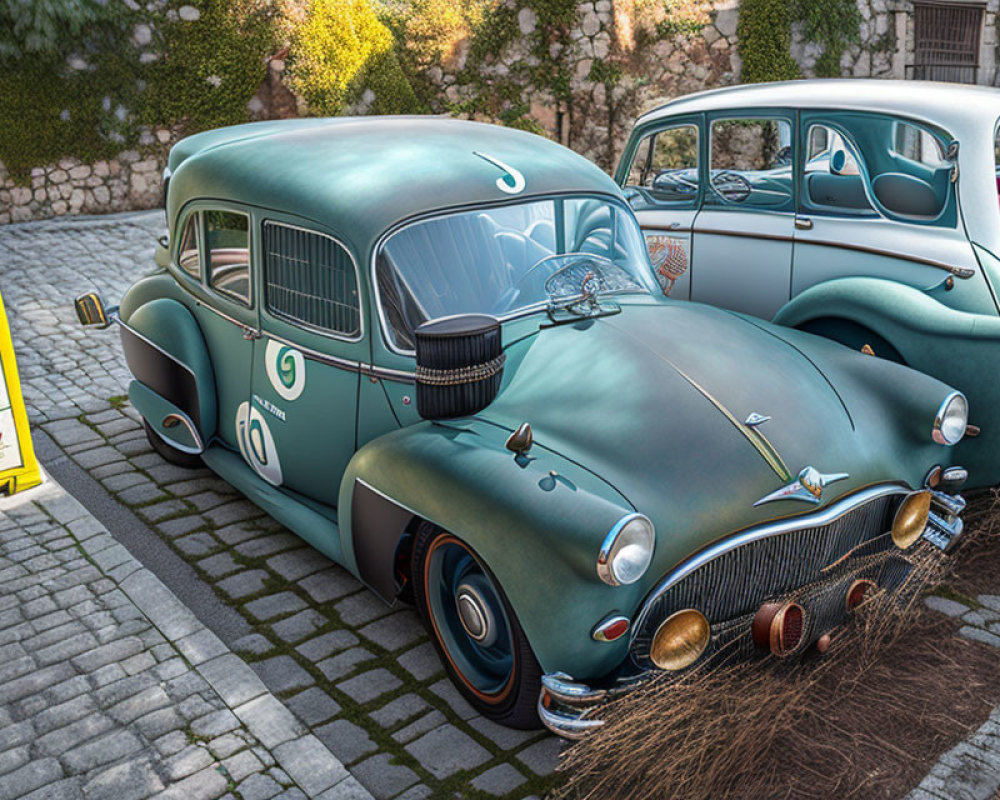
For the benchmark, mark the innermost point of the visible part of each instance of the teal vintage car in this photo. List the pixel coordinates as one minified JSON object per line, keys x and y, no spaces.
{"x":865,"y":211}
{"x":436,"y":350}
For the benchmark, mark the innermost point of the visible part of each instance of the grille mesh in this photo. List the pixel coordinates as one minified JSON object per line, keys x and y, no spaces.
{"x":821,"y":562}
{"x":310,"y":279}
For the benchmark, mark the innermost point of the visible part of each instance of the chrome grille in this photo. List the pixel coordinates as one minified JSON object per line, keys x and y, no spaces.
{"x":730,"y":587}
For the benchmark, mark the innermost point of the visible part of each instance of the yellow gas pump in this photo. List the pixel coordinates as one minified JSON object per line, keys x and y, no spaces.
{"x":18,"y":465}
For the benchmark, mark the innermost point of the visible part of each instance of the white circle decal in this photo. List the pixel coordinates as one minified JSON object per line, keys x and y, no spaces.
{"x":257,"y":444}
{"x":286,"y":369}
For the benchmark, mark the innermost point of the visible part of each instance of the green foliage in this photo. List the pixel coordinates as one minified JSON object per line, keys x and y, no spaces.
{"x":832,"y":23}
{"x":211,"y":67}
{"x":43,"y":27}
{"x":341,"y":49}
{"x":765,"y":35}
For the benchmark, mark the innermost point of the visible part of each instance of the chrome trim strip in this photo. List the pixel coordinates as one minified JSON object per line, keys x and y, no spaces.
{"x":316,"y":355}
{"x":224,"y":315}
{"x":297,"y":323}
{"x":398,"y":375}
{"x":936,"y":433}
{"x":824,"y":517}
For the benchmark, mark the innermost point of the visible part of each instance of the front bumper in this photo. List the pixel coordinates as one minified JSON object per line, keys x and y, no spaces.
{"x":567,"y":707}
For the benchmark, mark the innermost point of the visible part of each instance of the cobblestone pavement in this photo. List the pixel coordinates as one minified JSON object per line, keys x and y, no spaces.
{"x":361,"y":677}
{"x":110,"y":688}
{"x":971,"y":770}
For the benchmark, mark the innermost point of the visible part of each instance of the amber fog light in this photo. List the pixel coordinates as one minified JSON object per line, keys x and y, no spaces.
{"x":858,"y":591}
{"x":680,"y":640}
{"x":911,"y":519}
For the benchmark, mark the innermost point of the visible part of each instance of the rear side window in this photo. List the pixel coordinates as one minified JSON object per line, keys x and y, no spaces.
{"x":189,"y":256}
{"x":665,"y":168}
{"x":227,"y":239}
{"x":310,"y":279}
{"x":751,"y":163}
{"x":904,"y":165}
{"x":832,"y":180}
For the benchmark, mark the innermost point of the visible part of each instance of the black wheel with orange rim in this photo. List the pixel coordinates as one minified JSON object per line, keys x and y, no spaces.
{"x":475,"y":630}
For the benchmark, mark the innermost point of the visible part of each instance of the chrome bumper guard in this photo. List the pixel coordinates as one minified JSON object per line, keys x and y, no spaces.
{"x":565,"y":705}
{"x":944,"y":527}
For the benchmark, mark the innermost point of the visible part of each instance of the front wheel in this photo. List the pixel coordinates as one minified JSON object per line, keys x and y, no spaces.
{"x":168,"y":452}
{"x":475,"y":630}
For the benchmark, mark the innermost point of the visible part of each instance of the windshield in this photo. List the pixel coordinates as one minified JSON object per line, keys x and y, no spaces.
{"x":497,"y":260}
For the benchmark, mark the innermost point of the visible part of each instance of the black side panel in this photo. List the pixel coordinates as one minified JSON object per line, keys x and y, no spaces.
{"x":161,"y":372}
{"x":377,"y":523}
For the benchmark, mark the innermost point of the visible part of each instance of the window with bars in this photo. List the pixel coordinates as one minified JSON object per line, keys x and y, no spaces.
{"x":310,"y":279}
{"x":946,"y":41}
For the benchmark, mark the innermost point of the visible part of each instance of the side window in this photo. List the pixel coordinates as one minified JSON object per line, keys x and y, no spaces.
{"x":227,"y":240}
{"x":665,"y":167}
{"x":832,"y":178}
{"x":189,"y":255}
{"x":310,"y":279}
{"x":751,"y":163}
{"x":917,"y":144}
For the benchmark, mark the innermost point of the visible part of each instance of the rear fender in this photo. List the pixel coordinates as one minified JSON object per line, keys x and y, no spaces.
{"x":166,"y":353}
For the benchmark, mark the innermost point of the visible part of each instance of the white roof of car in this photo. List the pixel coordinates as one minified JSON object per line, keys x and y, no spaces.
{"x":949,"y":105}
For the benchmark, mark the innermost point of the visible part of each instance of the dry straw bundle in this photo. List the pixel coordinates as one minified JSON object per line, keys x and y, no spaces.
{"x":861,"y":722}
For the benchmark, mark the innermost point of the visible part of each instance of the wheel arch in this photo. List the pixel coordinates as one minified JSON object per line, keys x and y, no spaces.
{"x":538,"y":536}
{"x":166,"y":352}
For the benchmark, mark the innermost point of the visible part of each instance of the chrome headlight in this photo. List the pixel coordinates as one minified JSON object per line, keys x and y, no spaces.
{"x":951,"y":419}
{"x":627,"y":551}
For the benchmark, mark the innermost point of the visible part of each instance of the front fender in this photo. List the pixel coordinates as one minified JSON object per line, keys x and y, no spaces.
{"x":957,"y":347}
{"x":538,"y":523}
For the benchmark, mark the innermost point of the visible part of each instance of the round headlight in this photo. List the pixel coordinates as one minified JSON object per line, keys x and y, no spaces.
{"x":951,"y":419}
{"x":627,"y":551}
{"x":911,"y":519}
{"x":680,"y":640}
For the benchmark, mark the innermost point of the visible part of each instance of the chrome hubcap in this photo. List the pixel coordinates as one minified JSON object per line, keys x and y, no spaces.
{"x":475,"y":615}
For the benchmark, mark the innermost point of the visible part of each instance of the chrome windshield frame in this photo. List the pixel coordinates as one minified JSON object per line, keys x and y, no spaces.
{"x":535,"y":308}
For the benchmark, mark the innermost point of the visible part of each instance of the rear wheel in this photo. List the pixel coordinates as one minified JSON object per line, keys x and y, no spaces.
{"x":169,"y":452}
{"x":475,"y":630}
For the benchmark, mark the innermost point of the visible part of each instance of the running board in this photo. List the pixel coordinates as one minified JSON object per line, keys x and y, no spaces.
{"x":317,"y":526}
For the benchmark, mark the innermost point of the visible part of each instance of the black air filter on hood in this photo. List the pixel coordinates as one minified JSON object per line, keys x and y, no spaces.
{"x":459,"y":365}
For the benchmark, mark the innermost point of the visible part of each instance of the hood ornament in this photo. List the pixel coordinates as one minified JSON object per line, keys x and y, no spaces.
{"x":756,"y":419}
{"x":808,"y":487}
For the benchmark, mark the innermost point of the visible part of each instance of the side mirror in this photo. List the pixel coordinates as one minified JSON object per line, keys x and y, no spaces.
{"x":91,"y":312}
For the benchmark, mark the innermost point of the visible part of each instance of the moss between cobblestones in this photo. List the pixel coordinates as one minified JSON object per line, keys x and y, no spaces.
{"x":351,"y":710}
{"x":950,"y":593}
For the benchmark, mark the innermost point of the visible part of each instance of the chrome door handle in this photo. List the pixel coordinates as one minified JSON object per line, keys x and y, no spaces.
{"x":673,"y":226}
{"x":803,"y":223}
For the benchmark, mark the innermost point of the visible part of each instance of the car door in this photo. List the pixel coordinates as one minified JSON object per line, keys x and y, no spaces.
{"x":212,"y":262}
{"x":663,"y":186}
{"x":742,"y":248}
{"x":877,"y":198}
{"x":301,"y":418}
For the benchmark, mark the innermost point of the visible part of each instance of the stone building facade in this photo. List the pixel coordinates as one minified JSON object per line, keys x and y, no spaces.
{"x":932,"y":39}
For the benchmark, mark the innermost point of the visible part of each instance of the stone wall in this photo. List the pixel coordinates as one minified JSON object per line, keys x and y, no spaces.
{"x":130,"y":181}
{"x":594,"y":120}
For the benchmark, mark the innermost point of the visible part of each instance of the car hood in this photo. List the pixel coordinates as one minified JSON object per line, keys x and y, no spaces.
{"x":655,"y":400}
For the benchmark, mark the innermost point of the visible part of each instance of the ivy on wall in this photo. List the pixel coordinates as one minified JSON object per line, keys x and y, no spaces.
{"x":765,"y":36}
{"x":340,"y":50}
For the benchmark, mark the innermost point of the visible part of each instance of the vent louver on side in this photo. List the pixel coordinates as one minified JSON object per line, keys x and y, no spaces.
{"x":459,"y":365}
{"x":310,"y":279}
